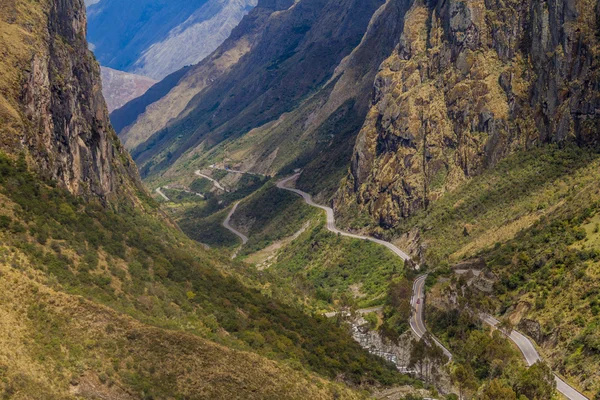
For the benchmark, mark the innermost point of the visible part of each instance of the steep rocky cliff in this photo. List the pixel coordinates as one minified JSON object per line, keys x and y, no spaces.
{"x":53,"y":107}
{"x":469,"y":83}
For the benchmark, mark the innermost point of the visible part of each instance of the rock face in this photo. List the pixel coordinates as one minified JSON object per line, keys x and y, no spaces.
{"x":167,"y":36}
{"x":119,"y":88}
{"x":60,"y":118}
{"x":469,"y":83}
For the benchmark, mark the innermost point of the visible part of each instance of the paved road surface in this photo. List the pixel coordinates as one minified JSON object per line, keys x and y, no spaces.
{"x":227,"y":225}
{"x":331,"y":219}
{"x":417,"y":302}
{"x":531,"y":356}
{"x":160,"y":192}
{"x":216,"y":183}
{"x":416,"y":320}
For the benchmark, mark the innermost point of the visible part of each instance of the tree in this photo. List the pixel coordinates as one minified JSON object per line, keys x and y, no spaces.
{"x":426,"y":355}
{"x":498,"y":390}
{"x":537,"y":382}
{"x":463,"y":377}
{"x":506,"y":326}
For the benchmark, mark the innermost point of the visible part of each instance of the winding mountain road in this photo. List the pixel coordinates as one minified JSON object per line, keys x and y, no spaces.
{"x":160,"y":192}
{"x":417,"y":323}
{"x":227,"y":225}
{"x":331,"y":219}
{"x":532,"y":356}
{"x":184,"y":191}
{"x":215,"y":182}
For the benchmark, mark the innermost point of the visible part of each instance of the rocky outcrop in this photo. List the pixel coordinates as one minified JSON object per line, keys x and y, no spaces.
{"x":469,"y":83}
{"x":64,"y":125}
{"x":119,"y":87}
{"x":397,"y":352}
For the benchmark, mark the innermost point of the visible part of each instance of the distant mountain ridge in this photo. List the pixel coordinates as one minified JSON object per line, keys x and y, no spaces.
{"x":155,"y":38}
{"x":119,"y":87}
{"x":293,"y":53}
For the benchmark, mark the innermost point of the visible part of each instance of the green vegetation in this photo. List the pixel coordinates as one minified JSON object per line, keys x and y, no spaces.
{"x":62,"y":347}
{"x":397,"y":308}
{"x":328,"y":265}
{"x":129,"y":260}
{"x":531,"y":221}
{"x":201,"y":185}
{"x":208,"y":230}
{"x":553,"y":267}
{"x":202,"y":221}
{"x":180,"y":196}
{"x":496,"y":205}
{"x":271,"y":214}
{"x":488,"y":361}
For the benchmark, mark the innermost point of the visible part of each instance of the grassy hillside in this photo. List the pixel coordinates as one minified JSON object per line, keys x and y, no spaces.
{"x":532,"y":223}
{"x":330,"y":268}
{"x":59,"y":346}
{"x":269,"y":215}
{"x":131,"y":261}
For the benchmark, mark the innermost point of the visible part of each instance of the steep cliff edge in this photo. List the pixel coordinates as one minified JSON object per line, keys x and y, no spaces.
{"x":52,"y":104}
{"x":470,"y":83}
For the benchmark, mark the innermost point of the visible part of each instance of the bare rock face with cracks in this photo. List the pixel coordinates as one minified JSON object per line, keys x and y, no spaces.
{"x":468,"y":84}
{"x":53,"y":106}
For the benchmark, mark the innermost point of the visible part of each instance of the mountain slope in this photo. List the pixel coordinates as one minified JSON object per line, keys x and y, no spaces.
{"x":154,"y":39}
{"x":298,"y":50}
{"x":119,"y":88}
{"x":469,"y":84}
{"x":101,"y":295}
{"x":103,"y":354}
{"x":139,"y":120}
{"x":51,"y":106}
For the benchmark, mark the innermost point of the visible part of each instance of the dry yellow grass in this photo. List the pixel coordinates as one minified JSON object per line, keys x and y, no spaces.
{"x":60,"y":346}
{"x":21,"y":30}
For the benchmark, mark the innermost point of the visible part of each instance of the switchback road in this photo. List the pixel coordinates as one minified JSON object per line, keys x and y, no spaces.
{"x":160,"y":192}
{"x":216,"y":183}
{"x":227,"y":225}
{"x":417,"y":323}
{"x":331,"y":219}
